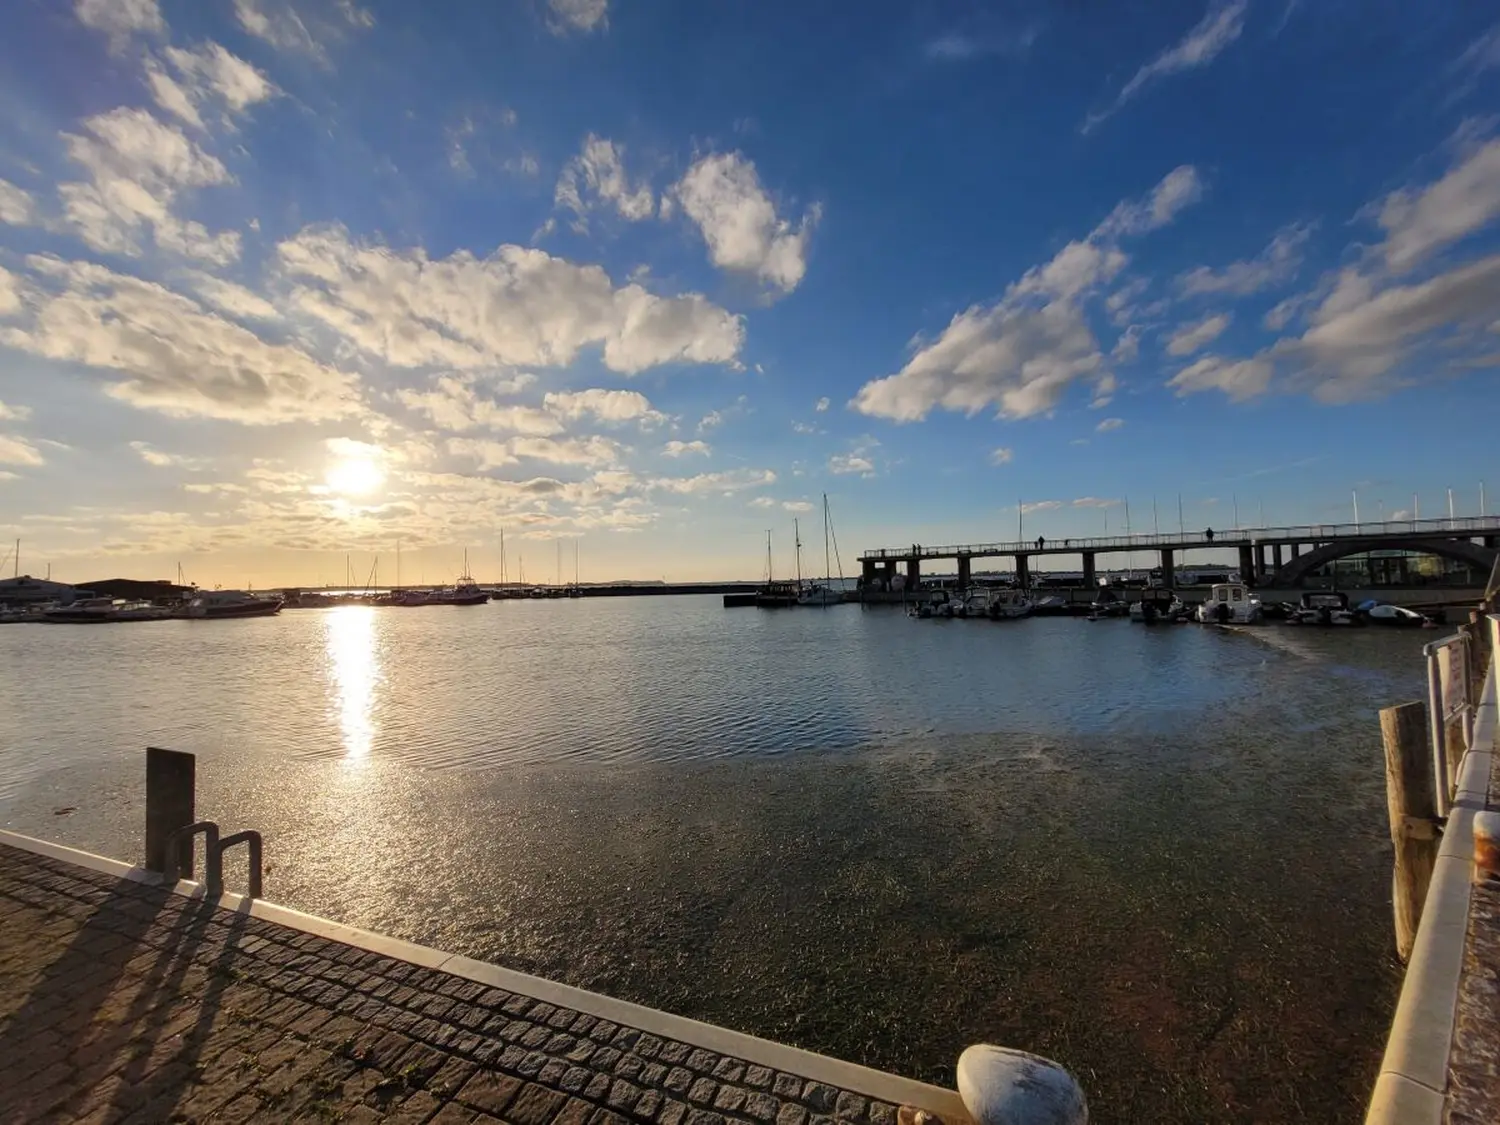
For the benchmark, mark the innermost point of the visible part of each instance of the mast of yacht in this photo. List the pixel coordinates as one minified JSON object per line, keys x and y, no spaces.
{"x":827,"y":569}
{"x":770,"y":577}
{"x":502,"y":556}
{"x":797,"y":538}
{"x":398,"y":564}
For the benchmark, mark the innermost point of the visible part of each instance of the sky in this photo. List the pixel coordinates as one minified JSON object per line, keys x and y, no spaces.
{"x":284,"y":283}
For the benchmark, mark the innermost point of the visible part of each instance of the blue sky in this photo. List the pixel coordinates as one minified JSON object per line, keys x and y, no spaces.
{"x":285,"y":280}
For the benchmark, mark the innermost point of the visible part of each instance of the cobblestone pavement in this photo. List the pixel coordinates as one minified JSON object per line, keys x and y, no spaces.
{"x":123,"y":1002}
{"x":1474,"y":1060}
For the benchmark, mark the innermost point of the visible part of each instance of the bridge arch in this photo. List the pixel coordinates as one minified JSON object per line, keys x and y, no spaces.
{"x":1459,"y":550}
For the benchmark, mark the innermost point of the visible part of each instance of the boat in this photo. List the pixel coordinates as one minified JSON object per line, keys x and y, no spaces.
{"x":1002,"y":604}
{"x":229,"y":603}
{"x":821,"y":593}
{"x":1158,"y":604}
{"x":1107,"y":603}
{"x":1229,"y":603}
{"x":464,"y":591}
{"x":1325,"y":607}
{"x":1395,"y":616}
{"x":141,"y":610}
{"x":774,"y":594}
{"x":81,"y":611}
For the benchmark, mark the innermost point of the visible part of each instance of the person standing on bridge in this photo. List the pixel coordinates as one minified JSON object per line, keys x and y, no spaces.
{"x":1209,"y":534}
{"x":1041,"y":541}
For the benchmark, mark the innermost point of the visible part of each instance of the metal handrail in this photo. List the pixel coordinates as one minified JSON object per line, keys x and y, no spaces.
{"x":1233,"y":537}
{"x":214,"y":847}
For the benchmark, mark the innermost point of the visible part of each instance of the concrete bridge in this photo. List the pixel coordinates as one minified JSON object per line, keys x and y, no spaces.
{"x":1271,"y":556}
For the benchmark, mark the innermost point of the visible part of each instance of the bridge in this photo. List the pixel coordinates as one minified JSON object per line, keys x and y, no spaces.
{"x":1269,"y":556}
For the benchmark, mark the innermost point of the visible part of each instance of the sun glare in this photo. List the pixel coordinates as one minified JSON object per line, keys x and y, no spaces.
{"x":355,"y":476}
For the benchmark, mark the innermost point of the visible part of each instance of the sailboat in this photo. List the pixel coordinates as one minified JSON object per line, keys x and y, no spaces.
{"x":774,"y":594}
{"x":464,"y":591}
{"x":822,"y":593}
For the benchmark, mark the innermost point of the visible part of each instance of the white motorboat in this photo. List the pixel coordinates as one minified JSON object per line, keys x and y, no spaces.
{"x":1395,"y":616}
{"x":1230,"y":603}
{"x":1003,"y":604}
{"x":141,"y":611}
{"x":815,"y":593}
{"x":1324,"y":608}
{"x":229,"y":603}
{"x":81,"y":611}
{"x":1158,"y":604}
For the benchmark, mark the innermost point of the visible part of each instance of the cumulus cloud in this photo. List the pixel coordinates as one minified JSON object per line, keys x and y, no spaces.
{"x":1127,"y":348}
{"x":1190,"y":338}
{"x":1109,"y":424}
{"x":230,"y":298}
{"x":686,"y":449}
{"x":516,"y":307}
{"x":822,"y":404}
{"x":9,"y":412}
{"x":847,"y":463}
{"x":1002,"y":456}
{"x":159,"y":458}
{"x":1239,"y":379}
{"x":606,"y":406}
{"x":205,"y":75}
{"x":121,"y":19}
{"x":18,"y":451}
{"x":711,"y":421}
{"x":16,"y":205}
{"x":732,"y":480}
{"x":1419,"y":222}
{"x":723,"y":195}
{"x":10,"y":292}
{"x":1040,"y":506}
{"x":1021,"y":353}
{"x":163,"y":351}
{"x":1199,"y":47}
{"x":1276,"y":264}
{"x":578,"y":15}
{"x":596,"y":178}
{"x":137,"y":166}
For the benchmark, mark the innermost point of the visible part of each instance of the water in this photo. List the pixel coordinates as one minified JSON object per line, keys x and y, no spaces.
{"x":1158,"y":855}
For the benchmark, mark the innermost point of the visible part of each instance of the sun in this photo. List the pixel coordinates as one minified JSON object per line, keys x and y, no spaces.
{"x":355,"y":476}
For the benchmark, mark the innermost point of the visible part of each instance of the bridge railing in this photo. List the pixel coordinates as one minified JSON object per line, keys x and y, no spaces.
{"x":1228,"y":537}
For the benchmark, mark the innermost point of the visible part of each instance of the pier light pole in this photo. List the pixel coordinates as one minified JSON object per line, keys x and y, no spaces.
{"x":1450,"y":503}
{"x":1481,"y":498}
{"x":1356,"y":507}
{"x":1181,"y":527}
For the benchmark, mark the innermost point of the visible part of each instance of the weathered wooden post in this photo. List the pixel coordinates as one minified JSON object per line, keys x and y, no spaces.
{"x":171,"y":778}
{"x":1412,"y":806}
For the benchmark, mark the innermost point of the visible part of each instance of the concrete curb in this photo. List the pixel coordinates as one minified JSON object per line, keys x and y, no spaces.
{"x":820,"y":1068}
{"x":1413,"y":1081}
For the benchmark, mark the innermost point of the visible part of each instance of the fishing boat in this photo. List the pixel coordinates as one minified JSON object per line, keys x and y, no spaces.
{"x":229,"y":603}
{"x":1107,"y":603}
{"x":464,"y":591}
{"x":821,"y":593}
{"x":1324,"y":607}
{"x":1229,"y":603}
{"x":1004,"y":604}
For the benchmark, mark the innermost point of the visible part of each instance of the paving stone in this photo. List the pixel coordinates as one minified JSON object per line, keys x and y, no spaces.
{"x":489,"y":1091}
{"x":729,"y":1098}
{"x":820,"y":1096}
{"x":882,"y":1113}
{"x":761,"y":1106}
{"x":622,"y":1095}
{"x":729,"y":1070}
{"x":647,"y":1105}
{"x":534,"y":1105}
{"x":575,"y":1111}
{"x":679,"y":1079}
{"x":702,"y":1091}
{"x":851,"y":1107}
{"x":791,"y":1114}
{"x":759,"y":1077}
{"x":672,"y":1112}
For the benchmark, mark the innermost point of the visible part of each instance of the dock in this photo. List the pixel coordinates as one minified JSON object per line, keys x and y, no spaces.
{"x":1442,"y":1060}
{"x":125,"y":998}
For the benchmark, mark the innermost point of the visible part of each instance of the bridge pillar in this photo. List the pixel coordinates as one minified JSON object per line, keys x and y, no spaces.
{"x":913,"y":573}
{"x":1090,"y":576}
{"x":1247,"y":565}
{"x":1023,"y":571}
{"x":888,"y":573}
{"x":1168,"y":568}
{"x":1489,"y":541}
{"x":963,"y":572}
{"x":1276,"y":555}
{"x":867,"y":570}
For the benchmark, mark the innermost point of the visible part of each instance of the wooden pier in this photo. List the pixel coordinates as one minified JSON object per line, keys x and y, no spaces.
{"x":1268,"y":556}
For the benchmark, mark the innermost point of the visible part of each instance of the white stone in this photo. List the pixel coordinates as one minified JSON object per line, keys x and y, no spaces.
{"x":1002,"y":1086}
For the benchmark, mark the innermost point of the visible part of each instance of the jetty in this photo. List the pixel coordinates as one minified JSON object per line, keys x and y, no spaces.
{"x":1443,"y":795}
{"x":128,"y":994}
{"x":1268,"y":556}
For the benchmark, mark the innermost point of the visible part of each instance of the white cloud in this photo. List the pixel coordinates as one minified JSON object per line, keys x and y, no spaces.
{"x":1481,"y":55}
{"x":732,"y":480}
{"x":1128,"y":347}
{"x":156,"y":457}
{"x":710,"y":421}
{"x":1095,"y":502}
{"x":1003,"y":455}
{"x":722,"y":194}
{"x":16,"y":206}
{"x":10,"y":413}
{"x":1199,"y":47}
{"x":517,"y":307}
{"x":763,"y":502}
{"x":595,"y":177}
{"x":163,"y":351}
{"x":1040,"y":506}
{"x":578,"y":15}
{"x":589,"y":451}
{"x":1417,"y":223}
{"x":607,"y":406}
{"x":1281,"y":314}
{"x":278,"y":24}
{"x":1109,"y":424}
{"x":804,"y":428}
{"x":1239,"y":379}
{"x":18,"y":451}
{"x":208,"y":74}
{"x":1121,"y":303}
{"x":686,"y":448}
{"x":1190,"y":338}
{"x":846,"y":463}
{"x":455,"y":404}
{"x":121,"y":19}
{"x":10,"y":292}
{"x":798,"y":506}
{"x":1021,"y":353}
{"x":1276,"y":264}
{"x":822,"y":404}
{"x":234,"y":300}
{"x":137,"y":166}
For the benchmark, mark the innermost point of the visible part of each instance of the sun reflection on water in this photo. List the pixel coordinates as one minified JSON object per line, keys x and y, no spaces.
{"x":355,"y":668}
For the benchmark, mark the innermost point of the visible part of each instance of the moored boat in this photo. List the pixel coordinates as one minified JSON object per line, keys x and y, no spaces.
{"x":1229,"y":603}
{"x":1324,"y":607}
{"x":1158,"y":604}
{"x":82,"y":611}
{"x":229,"y":603}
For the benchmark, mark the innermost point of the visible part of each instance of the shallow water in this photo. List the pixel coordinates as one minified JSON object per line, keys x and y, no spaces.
{"x":1156,"y":854}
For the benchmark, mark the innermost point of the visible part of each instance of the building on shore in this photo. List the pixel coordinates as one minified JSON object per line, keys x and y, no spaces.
{"x":26,"y":590}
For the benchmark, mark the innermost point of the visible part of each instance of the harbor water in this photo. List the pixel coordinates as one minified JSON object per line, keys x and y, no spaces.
{"x":1158,"y":855}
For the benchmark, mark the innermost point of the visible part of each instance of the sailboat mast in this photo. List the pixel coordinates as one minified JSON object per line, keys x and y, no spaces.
{"x":827,"y":570}
{"x":398,"y":564}
{"x":769,"y":578}
{"x":797,"y":538}
{"x":575,"y":562}
{"x":502,"y":556}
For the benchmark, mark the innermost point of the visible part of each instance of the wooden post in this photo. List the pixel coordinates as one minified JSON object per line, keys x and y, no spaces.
{"x":170,"y":782}
{"x":1411,"y":804}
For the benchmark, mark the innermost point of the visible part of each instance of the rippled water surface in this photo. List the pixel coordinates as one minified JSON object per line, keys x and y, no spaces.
{"x":1157,"y":854}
